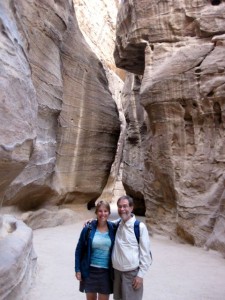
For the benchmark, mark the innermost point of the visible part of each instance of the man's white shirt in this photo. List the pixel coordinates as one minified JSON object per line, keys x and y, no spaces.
{"x":127,"y":253}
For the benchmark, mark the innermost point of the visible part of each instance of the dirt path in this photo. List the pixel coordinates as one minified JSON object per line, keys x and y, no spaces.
{"x":178,"y":272}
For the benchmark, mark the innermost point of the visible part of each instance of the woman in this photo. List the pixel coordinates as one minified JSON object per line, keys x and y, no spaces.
{"x":93,"y":255}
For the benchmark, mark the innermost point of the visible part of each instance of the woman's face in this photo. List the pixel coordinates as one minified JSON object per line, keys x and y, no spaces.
{"x":102,"y":213}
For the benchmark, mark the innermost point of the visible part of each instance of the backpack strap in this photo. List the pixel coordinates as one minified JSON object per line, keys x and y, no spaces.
{"x":137,"y":230}
{"x":137,"y":234}
{"x":87,"y":235}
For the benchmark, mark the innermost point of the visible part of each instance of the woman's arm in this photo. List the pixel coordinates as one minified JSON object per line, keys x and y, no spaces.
{"x":79,"y":250}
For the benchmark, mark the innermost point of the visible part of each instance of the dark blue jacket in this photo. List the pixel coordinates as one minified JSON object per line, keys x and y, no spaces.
{"x":83,"y":249}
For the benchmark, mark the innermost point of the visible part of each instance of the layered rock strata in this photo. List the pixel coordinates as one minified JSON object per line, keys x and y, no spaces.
{"x":177,"y":50}
{"x":60,"y":123}
{"x":99,"y":33}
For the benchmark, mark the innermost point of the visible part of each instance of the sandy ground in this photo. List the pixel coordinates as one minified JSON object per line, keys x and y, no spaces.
{"x":178,"y":272}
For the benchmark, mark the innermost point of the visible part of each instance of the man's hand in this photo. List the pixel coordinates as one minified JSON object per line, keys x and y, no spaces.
{"x":137,"y":283}
{"x":88,"y":221}
{"x":78,"y":276}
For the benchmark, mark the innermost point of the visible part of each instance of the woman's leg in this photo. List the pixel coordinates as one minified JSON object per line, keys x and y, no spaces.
{"x":91,"y":296}
{"x":103,"y":297}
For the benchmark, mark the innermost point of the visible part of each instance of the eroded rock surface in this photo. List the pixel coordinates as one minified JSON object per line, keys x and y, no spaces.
{"x":97,"y":21}
{"x":53,"y":216}
{"x":17,"y":258}
{"x":133,"y":152}
{"x":60,"y":124}
{"x":99,"y":33}
{"x":177,"y":49}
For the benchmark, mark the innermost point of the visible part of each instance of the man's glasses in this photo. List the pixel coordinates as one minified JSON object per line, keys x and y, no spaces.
{"x":123,"y":206}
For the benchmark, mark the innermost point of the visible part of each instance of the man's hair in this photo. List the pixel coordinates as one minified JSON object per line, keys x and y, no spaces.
{"x":128,"y":198}
{"x":102,"y":203}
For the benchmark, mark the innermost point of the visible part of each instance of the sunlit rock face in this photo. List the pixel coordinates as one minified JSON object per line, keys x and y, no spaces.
{"x":177,"y":48}
{"x":61,"y":126}
{"x":97,"y":21}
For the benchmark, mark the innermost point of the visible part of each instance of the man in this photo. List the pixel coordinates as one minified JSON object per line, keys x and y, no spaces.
{"x":130,"y":259}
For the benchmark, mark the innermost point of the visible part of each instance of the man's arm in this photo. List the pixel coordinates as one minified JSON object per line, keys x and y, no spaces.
{"x":144,"y":249}
{"x":90,"y":220}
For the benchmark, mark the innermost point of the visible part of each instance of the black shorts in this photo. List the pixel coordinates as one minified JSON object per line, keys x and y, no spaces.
{"x":99,"y":281}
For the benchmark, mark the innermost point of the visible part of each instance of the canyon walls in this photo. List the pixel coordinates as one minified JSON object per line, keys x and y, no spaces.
{"x":59,"y":123}
{"x":175,"y":53}
{"x":97,"y":22}
{"x":61,"y":108}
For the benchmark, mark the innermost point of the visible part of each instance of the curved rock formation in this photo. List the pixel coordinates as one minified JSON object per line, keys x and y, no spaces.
{"x":100,"y":35}
{"x":133,"y":152}
{"x":17,"y":257}
{"x":177,"y":48}
{"x":60,"y":125}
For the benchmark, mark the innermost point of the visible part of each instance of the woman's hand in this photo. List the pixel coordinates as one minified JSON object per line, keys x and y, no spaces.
{"x":78,"y":276}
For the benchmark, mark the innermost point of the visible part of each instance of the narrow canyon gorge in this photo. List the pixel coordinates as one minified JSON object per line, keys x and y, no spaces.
{"x":102,"y":98}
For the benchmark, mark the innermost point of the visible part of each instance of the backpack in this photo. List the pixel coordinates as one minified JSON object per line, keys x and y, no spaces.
{"x":87,"y":234}
{"x":137,"y":234}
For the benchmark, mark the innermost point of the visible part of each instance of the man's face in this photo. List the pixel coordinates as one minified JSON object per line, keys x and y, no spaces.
{"x":124,"y":210}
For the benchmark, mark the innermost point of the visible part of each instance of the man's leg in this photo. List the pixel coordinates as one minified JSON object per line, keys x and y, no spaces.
{"x":117,"y":285}
{"x":128,"y":292}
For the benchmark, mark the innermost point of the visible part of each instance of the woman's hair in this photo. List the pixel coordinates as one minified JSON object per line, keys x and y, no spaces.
{"x":102,"y":203}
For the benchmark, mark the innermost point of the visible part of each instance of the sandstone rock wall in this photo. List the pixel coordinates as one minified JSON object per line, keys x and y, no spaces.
{"x":60,"y":125}
{"x":17,"y":257}
{"x":177,"y":49}
{"x":98,"y":29}
{"x":97,"y":21}
{"x":133,"y":152}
